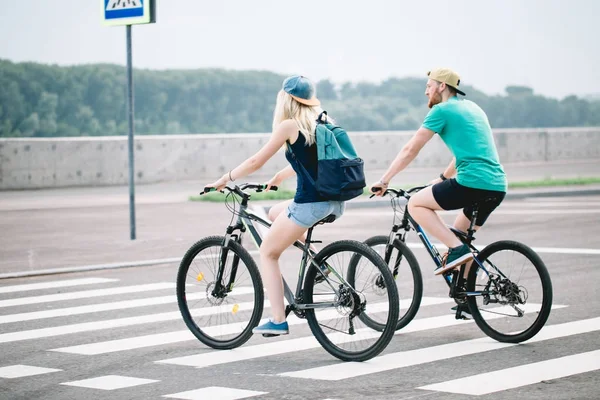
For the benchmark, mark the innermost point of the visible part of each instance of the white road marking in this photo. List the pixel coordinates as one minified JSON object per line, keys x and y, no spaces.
{"x":114,"y":323}
{"x":54,"y":284}
{"x":117,"y":305}
{"x":20,"y":371}
{"x":86,"y":294}
{"x":510,"y":378}
{"x":215,"y":393}
{"x":292,"y":345}
{"x":138,"y":342}
{"x":405,"y":359}
{"x":110,"y":382}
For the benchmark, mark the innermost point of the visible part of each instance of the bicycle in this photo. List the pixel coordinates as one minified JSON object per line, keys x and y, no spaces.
{"x":221,"y":277}
{"x":498,"y":295}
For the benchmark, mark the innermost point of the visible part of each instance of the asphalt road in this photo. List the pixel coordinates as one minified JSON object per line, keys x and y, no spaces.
{"x":117,"y":333}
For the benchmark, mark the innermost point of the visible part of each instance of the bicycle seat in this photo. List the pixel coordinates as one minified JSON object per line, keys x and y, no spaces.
{"x":328,"y":219}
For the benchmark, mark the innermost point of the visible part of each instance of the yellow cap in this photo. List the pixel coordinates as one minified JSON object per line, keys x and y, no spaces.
{"x":447,"y":76}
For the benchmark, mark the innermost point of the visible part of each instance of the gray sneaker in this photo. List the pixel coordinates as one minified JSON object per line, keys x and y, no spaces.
{"x":462,"y":311}
{"x":325,"y":272}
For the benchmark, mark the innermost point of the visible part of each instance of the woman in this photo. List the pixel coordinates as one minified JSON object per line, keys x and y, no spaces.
{"x":294,"y":123}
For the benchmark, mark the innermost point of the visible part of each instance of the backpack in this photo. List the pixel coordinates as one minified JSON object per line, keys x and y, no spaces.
{"x":340,"y":172}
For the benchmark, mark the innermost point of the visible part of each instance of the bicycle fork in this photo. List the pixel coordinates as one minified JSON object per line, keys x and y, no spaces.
{"x":220,"y":290}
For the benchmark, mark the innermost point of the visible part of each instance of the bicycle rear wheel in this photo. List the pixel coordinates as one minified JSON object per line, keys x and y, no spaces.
{"x":406,"y":273}
{"x":219,"y":315}
{"x":339,"y":329}
{"x":515,"y":294}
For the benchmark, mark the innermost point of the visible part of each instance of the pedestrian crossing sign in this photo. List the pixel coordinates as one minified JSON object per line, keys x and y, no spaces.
{"x":128,"y":12}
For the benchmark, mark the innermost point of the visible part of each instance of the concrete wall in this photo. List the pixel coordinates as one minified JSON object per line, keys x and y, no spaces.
{"x":63,"y":162}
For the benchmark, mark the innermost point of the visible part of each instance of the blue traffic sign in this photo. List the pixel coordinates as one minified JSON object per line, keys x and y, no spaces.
{"x":128,"y":12}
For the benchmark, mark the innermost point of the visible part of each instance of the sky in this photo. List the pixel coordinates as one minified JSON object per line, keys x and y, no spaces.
{"x":549,"y":45}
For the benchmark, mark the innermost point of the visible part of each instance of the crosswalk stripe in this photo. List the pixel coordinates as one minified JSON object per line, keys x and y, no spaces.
{"x":54,"y":284}
{"x":436,"y":353}
{"x":20,"y":371}
{"x":113,"y":323}
{"x":138,"y":342}
{"x":215,"y":393}
{"x":141,"y":341}
{"x":118,"y":305}
{"x":522,"y":375}
{"x":110,"y":382}
{"x":293,"y":345}
{"x":86,"y":294}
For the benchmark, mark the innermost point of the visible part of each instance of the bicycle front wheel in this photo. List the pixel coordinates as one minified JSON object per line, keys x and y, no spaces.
{"x":220,"y":313}
{"x":406,"y":273}
{"x":335,"y":321}
{"x":514,"y":293}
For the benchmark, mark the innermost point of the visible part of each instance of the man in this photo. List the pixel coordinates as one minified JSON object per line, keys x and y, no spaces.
{"x":480,"y":178}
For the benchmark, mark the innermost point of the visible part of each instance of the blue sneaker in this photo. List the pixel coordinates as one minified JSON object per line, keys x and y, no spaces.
{"x":456,"y":256}
{"x":272,"y":329}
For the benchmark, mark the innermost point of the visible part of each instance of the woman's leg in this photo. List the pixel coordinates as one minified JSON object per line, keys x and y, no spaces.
{"x":278,"y":208}
{"x":282,"y":207}
{"x":283,"y":234}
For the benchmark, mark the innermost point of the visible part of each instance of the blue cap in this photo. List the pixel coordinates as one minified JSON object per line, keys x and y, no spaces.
{"x":301,"y":89}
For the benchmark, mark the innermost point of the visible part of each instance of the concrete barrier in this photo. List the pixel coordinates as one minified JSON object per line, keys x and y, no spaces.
{"x":95,"y":161}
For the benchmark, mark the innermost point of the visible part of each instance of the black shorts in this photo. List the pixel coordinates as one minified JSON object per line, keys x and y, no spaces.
{"x":451,"y":195}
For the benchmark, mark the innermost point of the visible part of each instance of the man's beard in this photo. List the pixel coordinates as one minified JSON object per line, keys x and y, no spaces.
{"x":437,"y":99}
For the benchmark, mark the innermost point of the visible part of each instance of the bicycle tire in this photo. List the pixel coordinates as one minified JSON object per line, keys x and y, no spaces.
{"x":408,"y":257}
{"x":202,"y":333}
{"x":380,"y":339}
{"x":545,"y":305}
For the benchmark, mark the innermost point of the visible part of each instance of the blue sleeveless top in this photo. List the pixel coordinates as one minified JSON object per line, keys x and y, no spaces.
{"x":307,"y":156}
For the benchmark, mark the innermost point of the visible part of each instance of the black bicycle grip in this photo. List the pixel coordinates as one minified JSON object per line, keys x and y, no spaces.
{"x":207,"y":189}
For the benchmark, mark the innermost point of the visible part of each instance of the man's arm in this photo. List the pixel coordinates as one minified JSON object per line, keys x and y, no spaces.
{"x":408,"y":153}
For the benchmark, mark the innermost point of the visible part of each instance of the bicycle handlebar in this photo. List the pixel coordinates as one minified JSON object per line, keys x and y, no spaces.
{"x":399,"y":192}
{"x":258,"y":187}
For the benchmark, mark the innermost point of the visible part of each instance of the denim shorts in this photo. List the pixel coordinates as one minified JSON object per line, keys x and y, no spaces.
{"x":308,"y":214}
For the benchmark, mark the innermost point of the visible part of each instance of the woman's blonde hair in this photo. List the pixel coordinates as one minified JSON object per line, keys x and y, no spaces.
{"x":305,"y":116}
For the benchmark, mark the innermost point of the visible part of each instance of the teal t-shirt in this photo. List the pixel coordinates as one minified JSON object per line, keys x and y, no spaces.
{"x":465,"y":129}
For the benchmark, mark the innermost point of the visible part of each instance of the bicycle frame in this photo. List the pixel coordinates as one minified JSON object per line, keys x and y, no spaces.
{"x":245,"y":222}
{"x":400,"y":231}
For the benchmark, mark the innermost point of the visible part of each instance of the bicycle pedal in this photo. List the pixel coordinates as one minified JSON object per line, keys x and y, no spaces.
{"x":270,"y":335}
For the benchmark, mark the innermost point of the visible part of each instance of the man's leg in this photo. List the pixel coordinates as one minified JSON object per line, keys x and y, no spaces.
{"x":462,"y":223}
{"x":422,"y":207}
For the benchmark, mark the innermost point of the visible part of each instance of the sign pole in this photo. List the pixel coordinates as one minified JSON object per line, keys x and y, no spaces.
{"x":130,"y":141}
{"x":127,"y":13}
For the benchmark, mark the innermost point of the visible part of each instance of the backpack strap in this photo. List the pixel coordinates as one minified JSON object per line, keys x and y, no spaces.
{"x":320,"y":119}
{"x":299,"y":164}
